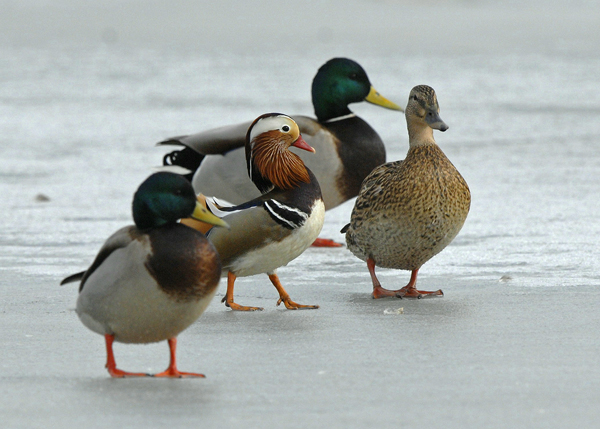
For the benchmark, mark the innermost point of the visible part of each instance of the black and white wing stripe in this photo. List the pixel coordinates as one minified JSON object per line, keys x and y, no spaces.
{"x":286,"y":216}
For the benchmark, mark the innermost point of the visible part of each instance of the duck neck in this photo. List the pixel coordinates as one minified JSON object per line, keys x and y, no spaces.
{"x":327,"y":103}
{"x":275,"y":166}
{"x":327,"y":111}
{"x":144,"y":217}
{"x":420,"y":135}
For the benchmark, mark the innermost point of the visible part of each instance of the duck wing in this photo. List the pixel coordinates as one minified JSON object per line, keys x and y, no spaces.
{"x":120,"y":239}
{"x":218,"y":141}
{"x":215,"y":141}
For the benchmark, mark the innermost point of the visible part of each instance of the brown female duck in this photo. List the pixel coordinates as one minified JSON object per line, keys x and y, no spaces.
{"x":408,"y":211}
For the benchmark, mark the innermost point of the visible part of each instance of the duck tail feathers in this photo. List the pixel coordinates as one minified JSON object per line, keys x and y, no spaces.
{"x":73,"y":278}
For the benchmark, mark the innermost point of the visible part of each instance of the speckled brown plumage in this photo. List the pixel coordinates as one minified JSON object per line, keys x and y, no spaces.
{"x":417,"y":206}
{"x":408,"y":211}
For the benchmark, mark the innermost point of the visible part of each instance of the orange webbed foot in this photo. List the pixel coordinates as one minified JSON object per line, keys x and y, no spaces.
{"x":228,"y":298}
{"x":285,"y":297}
{"x":407,"y":292}
{"x":238,"y":307}
{"x":379,"y":292}
{"x":111,"y":364}
{"x":175,"y":373}
{"x":326,"y":242}
{"x":172,"y":371}
{"x":291,"y":305}
{"x":117,"y":373}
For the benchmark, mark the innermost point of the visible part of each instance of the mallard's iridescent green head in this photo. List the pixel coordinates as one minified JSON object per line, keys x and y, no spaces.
{"x":339,"y":82}
{"x":162,"y":198}
{"x":423,"y":107}
{"x":165,"y":198}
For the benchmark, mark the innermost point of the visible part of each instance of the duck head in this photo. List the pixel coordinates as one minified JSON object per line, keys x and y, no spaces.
{"x":270,"y":163}
{"x":165,"y":198}
{"x":423,"y":113}
{"x":339,"y":82}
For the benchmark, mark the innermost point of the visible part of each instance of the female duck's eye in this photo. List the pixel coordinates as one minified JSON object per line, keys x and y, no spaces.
{"x":414,"y":97}
{"x":285,"y":128}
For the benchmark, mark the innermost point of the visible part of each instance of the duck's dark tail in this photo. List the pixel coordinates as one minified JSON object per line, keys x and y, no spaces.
{"x":73,"y":278}
{"x":186,"y":158}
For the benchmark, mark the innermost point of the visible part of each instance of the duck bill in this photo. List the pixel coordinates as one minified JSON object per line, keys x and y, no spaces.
{"x":202,"y":214}
{"x":375,"y":97}
{"x":434,"y":121}
{"x":301,"y":144}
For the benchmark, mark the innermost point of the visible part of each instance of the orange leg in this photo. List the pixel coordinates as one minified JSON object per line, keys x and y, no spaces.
{"x":326,"y":242}
{"x":111,"y":365}
{"x":172,"y":371}
{"x":285,"y":297}
{"x":378,"y":291}
{"x":408,"y":291}
{"x":228,"y":299}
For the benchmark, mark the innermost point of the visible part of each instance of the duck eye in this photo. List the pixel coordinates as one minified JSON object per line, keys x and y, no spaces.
{"x":285,"y":128}
{"x":353,"y":76}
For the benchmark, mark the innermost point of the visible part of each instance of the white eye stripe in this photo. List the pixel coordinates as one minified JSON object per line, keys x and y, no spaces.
{"x":279,"y":123}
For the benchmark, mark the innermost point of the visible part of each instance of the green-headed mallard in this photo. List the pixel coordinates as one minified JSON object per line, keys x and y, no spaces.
{"x":151,"y":280}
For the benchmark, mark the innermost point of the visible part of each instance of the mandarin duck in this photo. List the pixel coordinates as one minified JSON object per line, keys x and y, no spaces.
{"x":151,"y":280}
{"x":408,"y":211}
{"x":271,"y":230}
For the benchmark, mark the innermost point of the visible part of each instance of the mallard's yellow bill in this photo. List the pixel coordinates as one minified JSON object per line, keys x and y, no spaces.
{"x":202,"y":214}
{"x":378,"y":99}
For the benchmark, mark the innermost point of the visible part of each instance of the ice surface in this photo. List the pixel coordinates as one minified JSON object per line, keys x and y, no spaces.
{"x":87,"y":90}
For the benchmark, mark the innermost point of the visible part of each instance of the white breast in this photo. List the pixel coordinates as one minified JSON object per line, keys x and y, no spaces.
{"x":279,"y":253}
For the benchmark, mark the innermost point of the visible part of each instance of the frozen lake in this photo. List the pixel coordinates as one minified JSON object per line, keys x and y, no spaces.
{"x":86,"y":92}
